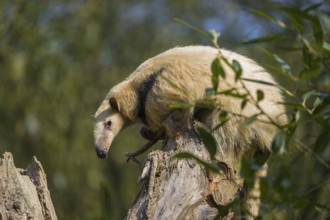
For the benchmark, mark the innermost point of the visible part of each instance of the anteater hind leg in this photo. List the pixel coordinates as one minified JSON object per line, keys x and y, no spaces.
{"x":151,"y":135}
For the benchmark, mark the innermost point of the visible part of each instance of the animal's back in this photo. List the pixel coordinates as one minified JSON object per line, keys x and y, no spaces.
{"x":184,"y":73}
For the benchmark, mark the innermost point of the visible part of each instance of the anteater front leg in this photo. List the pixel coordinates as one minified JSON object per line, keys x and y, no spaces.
{"x":148,"y":134}
{"x":144,"y":148}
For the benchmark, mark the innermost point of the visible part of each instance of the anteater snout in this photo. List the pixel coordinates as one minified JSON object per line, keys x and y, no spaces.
{"x":101,"y":153}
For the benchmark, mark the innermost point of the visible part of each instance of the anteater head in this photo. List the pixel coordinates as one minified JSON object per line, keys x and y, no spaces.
{"x":108,"y":122}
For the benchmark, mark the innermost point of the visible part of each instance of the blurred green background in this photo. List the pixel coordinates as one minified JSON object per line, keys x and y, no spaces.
{"x":58,"y":60}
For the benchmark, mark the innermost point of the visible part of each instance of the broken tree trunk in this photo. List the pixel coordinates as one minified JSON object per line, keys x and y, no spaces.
{"x":183,"y":188}
{"x":24,"y":193}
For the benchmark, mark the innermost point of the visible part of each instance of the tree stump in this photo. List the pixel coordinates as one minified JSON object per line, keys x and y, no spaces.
{"x":183,"y":188}
{"x":24,"y":193}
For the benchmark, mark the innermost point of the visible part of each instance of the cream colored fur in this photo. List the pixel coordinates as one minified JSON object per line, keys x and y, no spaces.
{"x":186,"y":75}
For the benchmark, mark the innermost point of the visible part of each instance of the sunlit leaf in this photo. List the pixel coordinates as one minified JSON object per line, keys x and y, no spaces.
{"x":233,"y":93}
{"x":181,"y":105}
{"x":199,"y":30}
{"x":268,"y":17}
{"x":326,"y":46}
{"x":308,"y":49}
{"x":307,"y":95}
{"x":215,"y":37}
{"x":206,"y":104}
{"x":296,"y":17}
{"x":283,"y":64}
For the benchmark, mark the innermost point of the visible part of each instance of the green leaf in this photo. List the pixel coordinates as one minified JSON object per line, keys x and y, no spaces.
{"x":216,"y":36}
{"x":261,"y":157}
{"x":313,"y":7}
{"x":243,"y":103}
{"x":322,"y":140}
{"x":309,"y":73}
{"x":233,"y":93}
{"x":285,"y":67}
{"x":307,"y":95}
{"x":208,"y":166}
{"x":266,"y":38}
{"x":181,"y":105}
{"x":325,"y":104}
{"x":268,"y":17}
{"x":307,"y":54}
{"x":199,"y":30}
{"x":206,"y":104}
{"x":249,"y":120}
{"x":247,"y":171}
{"x":278,"y":141}
{"x":259,"y":81}
{"x":326,"y":46}
{"x":260,"y":95}
{"x":236,"y":66}
{"x":295,"y":16}
{"x":217,"y":71}
{"x":223,"y":117}
{"x":208,"y":140}
{"x":317,"y":29}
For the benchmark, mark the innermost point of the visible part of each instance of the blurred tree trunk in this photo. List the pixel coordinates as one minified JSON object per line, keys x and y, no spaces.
{"x":24,"y":193}
{"x":182,"y":188}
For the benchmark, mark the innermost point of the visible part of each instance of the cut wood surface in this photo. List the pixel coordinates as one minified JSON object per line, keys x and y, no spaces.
{"x":24,"y":193}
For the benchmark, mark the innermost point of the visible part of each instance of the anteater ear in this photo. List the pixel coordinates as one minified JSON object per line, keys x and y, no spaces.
{"x":125,"y":100}
{"x":114,"y":104}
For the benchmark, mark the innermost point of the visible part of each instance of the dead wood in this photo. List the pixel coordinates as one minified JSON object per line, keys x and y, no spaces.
{"x":24,"y":193}
{"x":182,"y":188}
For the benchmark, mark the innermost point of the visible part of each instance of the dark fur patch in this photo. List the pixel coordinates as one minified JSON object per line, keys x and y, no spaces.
{"x":143,"y":91}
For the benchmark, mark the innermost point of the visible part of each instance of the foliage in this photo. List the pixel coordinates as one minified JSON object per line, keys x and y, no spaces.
{"x":307,"y":132}
{"x":306,"y":137}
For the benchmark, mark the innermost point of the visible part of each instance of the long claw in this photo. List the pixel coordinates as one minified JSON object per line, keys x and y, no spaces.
{"x":132,"y":154}
{"x":131,"y":157}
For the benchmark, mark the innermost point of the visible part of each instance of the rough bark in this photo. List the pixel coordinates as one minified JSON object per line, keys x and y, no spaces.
{"x":24,"y":193}
{"x":184,"y":189}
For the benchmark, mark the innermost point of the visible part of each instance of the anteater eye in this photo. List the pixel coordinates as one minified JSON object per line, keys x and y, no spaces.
{"x":108,"y":124}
